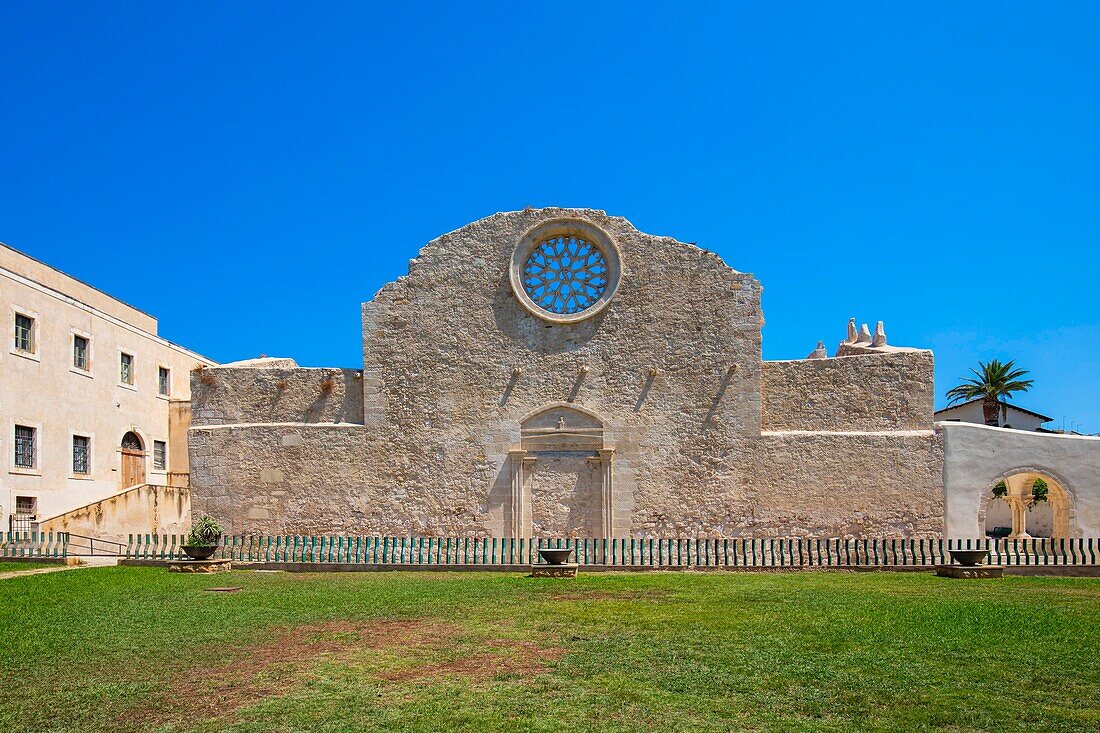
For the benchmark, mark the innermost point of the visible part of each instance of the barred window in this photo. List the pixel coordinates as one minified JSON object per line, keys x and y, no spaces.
{"x":160,"y":455}
{"x":24,"y":333}
{"x":126,"y":369}
{"x":81,"y":450}
{"x":164,"y":381}
{"x":80,"y":352}
{"x":24,"y":446}
{"x":26,"y":505}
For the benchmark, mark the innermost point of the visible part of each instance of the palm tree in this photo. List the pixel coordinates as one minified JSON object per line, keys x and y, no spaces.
{"x":992,"y":383}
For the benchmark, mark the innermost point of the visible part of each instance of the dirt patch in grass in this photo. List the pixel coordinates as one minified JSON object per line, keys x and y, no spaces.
{"x":257,"y":672}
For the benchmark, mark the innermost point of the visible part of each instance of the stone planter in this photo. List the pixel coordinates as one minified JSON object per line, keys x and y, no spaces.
{"x":555,"y":555}
{"x":200,"y":552}
{"x":969,"y":558}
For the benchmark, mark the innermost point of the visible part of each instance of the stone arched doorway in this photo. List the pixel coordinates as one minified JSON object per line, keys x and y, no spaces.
{"x":1026,"y":503}
{"x":132,"y":460}
{"x":561,"y":476}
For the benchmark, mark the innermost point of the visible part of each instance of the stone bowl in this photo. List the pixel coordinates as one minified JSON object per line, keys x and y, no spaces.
{"x":200,"y":552}
{"x":968,"y":557}
{"x":555,"y":555}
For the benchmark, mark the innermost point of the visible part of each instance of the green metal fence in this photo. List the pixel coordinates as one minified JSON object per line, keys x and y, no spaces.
{"x":660,"y":553}
{"x":34,"y":544}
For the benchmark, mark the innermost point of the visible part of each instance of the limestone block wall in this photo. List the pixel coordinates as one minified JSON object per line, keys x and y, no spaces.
{"x":453,"y":364}
{"x":868,"y":392}
{"x":849,"y":485}
{"x":231,"y":395}
{"x":667,"y":379}
{"x":340,"y":479}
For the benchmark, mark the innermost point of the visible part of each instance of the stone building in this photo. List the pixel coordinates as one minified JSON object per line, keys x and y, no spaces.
{"x":93,"y":406}
{"x":556,"y":372}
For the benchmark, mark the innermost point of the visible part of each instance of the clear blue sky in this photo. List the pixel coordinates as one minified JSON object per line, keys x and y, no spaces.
{"x":249,"y":173}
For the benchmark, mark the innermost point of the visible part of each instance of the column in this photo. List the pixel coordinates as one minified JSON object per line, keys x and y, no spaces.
{"x":1019,"y":494}
{"x":1019,"y":517}
{"x":515,"y":516}
{"x":608,"y":488}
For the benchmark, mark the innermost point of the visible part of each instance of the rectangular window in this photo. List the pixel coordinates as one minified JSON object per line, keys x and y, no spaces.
{"x":164,"y":381}
{"x":24,"y":333}
{"x":160,"y":455}
{"x":126,"y":369}
{"x":26,"y":505}
{"x":24,"y":446}
{"x":81,"y":449}
{"x":80,"y":352}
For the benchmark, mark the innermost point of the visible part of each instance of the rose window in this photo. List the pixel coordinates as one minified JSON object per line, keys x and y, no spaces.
{"x":565,"y":274}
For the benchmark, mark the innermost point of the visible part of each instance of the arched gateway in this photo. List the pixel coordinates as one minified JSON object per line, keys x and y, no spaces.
{"x":1027,"y":502}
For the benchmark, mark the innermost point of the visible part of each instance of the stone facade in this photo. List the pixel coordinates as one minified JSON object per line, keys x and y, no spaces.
{"x":636,"y":405}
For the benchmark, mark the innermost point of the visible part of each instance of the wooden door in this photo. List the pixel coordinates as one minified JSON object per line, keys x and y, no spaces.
{"x":133,"y":468}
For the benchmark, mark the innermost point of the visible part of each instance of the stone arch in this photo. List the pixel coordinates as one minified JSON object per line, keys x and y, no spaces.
{"x":561,"y":475}
{"x":1061,"y":499}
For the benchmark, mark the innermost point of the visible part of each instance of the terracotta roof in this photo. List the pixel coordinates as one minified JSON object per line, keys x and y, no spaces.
{"x":1000,"y":402}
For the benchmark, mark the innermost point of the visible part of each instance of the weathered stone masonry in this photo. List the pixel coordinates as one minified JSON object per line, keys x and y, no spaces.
{"x":644,"y":409}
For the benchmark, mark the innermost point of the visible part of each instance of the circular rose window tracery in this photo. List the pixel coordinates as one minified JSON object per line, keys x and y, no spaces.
{"x":565,"y":270}
{"x":565,"y":274}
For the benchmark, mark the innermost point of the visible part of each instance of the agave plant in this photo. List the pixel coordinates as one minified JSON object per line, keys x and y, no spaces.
{"x":205,"y":532}
{"x":992,"y":383}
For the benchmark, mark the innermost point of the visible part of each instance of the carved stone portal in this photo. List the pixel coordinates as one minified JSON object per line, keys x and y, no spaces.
{"x":562,"y":478}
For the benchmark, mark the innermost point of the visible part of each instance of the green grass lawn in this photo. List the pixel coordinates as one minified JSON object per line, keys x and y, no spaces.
{"x":141,"y":649}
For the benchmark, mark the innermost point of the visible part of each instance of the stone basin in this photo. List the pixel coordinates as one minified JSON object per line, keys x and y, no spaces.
{"x":968,"y":557}
{"x":200,"y":552}
{"x":555,"y":555}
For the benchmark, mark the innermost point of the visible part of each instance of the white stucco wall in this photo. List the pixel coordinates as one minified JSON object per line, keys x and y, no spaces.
{"x":43,"y":390}
{"x":977,"y":456}
{"x":972,"y":413}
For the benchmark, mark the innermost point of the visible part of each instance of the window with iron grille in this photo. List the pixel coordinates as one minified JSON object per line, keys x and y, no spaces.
{"x":160,"y":455}
{"x":126,"y":369}
{"x":81,"y":451}
{"x":24,"y":333}
{"x":164,"y":381}
{"x":24,"y":446}
{"x":80,"y":352}
{"x":26,"y":505}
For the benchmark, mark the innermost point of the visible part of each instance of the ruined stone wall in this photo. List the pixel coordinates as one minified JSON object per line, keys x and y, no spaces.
{"x":668,"y":376}
{"x":453,"y":363}
{"x":869,"y":392}
{"x":231,"y":395}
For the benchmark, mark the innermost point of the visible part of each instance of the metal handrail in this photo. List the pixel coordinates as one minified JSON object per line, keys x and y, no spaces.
{"x":119,"y":547}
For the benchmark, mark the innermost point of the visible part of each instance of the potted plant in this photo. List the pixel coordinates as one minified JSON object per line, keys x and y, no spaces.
{"x":202,"y":542}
